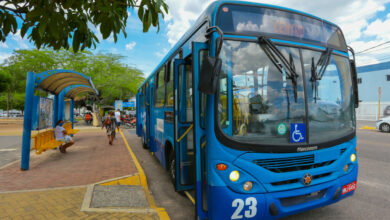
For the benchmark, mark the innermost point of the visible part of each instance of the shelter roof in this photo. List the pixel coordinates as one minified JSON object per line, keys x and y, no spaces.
{"x":54,"y":81}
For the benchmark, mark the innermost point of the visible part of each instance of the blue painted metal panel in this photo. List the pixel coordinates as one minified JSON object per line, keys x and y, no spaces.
{"x":225,"y":208}
{"x":35,"y":113}
{"x":72,"y":112}
{"x":55,"y":110}
{"x":27,"y":122}
{"x":198,"y":131}
{"x":61,"y":106}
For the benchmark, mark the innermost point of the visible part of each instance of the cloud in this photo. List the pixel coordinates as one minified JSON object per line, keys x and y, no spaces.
{"x":21,"y":43}
{"x":161,"y":54}
{"x":4,"y":56}
{"x":3,"y":45}
{"x":182,"y":14}
{"x":130,"y":45}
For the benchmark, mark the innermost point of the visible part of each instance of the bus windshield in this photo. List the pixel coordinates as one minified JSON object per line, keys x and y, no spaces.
{"x":256,"y":101}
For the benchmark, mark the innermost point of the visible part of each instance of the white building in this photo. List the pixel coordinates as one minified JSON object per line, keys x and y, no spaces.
{"x":372,"y":80}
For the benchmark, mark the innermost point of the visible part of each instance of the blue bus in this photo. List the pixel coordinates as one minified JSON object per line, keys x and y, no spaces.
{"x":252,"y":112}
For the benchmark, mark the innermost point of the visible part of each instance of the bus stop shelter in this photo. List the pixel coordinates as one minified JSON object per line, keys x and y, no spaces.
{"x":40,"y":112}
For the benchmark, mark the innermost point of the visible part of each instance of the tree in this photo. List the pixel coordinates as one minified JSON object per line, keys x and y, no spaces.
{"x":113,"y":79}
{"x":18,"y":101}
{"x":54,"y":23}
{"x":5,"y":79}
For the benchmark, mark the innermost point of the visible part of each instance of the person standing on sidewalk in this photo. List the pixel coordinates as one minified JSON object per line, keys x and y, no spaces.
{"x":118,"y":118}
{"x":62,"y":135}
{"x":110,"y":124}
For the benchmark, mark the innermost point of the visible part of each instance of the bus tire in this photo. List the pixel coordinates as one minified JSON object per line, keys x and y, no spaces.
{"x":172,"y":167}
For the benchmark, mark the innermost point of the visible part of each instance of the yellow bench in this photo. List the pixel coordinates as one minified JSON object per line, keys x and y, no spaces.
{"x":44,"y":141}
{"x":68,"y":128}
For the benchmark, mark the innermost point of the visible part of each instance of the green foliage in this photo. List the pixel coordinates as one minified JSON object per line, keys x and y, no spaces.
{"x":18,"y":101}
{"x":3,"y":101}
{"x":52,"y":23}
{"x":5,"y":79}
{"x":113,"y":79}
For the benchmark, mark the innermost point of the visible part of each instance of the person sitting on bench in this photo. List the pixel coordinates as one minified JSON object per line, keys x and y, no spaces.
{"x":62,"y":135}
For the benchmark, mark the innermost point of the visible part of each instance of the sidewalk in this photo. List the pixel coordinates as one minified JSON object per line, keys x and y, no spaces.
{"x":92,"y":180}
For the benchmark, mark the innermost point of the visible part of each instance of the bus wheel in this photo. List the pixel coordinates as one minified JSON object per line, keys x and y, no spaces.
{"x":172,"y":167}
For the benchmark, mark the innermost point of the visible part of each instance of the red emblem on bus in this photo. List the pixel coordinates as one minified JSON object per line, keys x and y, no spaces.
{"x":307,"y":178}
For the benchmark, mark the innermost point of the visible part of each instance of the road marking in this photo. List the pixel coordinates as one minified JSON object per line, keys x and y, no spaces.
{"x":161,"y":211}
{"x":374,"y":184}
{"x":367,"y":128}
{"x":2,"y":150}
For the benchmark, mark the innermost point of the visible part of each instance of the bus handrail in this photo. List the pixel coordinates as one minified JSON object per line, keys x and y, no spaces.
{"x":185,"y":133}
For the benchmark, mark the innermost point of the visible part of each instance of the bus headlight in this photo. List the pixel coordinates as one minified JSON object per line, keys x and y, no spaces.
{"x":247,"y":185}
{"x":234,"y":175}
{"x":353,"y":157}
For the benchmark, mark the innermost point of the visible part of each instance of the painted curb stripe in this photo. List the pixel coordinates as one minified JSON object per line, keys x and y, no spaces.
{"x":161,"y":211}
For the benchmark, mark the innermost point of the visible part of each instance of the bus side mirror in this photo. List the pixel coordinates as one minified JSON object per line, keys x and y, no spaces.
{"x":209,"y":75}
{"x":354,"y":82}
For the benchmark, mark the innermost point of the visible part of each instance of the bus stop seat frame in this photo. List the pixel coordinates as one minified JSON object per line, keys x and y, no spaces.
{"x":44,"y":141}
{"x":68,"y":127}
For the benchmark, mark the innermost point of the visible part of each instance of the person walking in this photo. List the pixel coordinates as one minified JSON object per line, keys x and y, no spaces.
{"x":118,"y":118}
{"x":62,"y":135}
{"x":110,"y":124}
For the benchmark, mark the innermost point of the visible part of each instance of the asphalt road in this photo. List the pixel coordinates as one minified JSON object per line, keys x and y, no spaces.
{"x":370,"y":201}
{"x":10,"y":149}
{"x":372,"y":197}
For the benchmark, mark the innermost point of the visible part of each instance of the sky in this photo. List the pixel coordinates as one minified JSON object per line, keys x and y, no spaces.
{"x":365,"y":24}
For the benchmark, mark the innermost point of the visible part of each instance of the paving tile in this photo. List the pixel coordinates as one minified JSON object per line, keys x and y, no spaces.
{"x":90,"y":160}
{"x":69,"y":208}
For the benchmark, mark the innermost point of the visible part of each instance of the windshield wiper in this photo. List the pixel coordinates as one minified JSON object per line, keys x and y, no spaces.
{"x":280,"y":62}
{"x":318,"y":70}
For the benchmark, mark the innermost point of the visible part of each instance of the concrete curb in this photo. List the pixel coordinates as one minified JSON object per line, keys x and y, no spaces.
{"x":367,"y":128}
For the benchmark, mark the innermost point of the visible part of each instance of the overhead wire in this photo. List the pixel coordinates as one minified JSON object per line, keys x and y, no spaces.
{"x":375,"y":50}
{"x":370,"y":48}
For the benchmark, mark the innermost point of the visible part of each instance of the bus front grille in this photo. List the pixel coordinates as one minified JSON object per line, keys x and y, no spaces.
{"x":290,"y":164}
{"x":296,"y":200}
{"x":291,"y":181}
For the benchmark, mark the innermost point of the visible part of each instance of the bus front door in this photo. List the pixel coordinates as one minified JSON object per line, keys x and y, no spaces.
{"x":147,"y":109}
{"x":184,"y":135}
{"x":200,"y":52}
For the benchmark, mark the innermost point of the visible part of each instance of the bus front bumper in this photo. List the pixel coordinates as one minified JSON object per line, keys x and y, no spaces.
{"x":226,"y":204}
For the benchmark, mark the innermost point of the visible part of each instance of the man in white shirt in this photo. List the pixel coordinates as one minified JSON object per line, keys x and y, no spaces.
{"x":118,"y":118}
{"x":62,"y":135}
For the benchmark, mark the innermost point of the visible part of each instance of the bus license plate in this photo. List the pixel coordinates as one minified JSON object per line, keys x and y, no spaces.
{"x":349,"y":187}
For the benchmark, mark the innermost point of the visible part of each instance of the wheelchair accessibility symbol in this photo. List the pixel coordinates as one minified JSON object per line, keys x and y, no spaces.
{"x":298,"y":133}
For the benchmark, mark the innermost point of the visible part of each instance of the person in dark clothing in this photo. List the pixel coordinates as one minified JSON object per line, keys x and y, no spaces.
{"x":110,"y":124}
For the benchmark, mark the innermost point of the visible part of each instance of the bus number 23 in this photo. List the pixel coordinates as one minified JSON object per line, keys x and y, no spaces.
{"x":251,"y":202}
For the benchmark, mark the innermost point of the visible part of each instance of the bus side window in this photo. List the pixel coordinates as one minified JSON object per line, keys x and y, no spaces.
{"x":185,"y":93}
{"x":223,"y":116}
{"x":202,"y":55}
{"x":160,"y":88}
{"x":188,"y":94}
{"x":169,"y":85}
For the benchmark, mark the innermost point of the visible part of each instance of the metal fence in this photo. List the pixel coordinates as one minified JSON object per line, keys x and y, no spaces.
{"x":369,"y":111}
